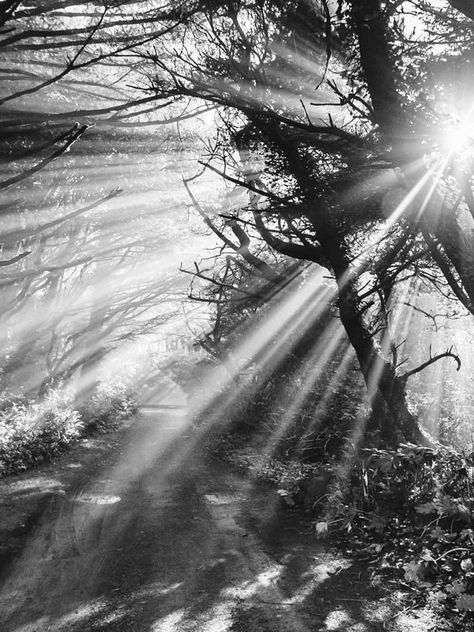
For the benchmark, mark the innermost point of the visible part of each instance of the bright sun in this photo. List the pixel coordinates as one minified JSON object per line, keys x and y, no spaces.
{"x":459,"y":139}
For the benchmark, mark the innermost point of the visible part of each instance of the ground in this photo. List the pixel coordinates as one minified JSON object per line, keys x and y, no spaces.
{"x":136,"y":531}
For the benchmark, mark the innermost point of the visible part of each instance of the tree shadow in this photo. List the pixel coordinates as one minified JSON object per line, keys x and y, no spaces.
{"x":202,"y":546}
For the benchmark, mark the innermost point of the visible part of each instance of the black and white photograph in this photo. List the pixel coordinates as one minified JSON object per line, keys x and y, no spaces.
{"x":237,"y":316}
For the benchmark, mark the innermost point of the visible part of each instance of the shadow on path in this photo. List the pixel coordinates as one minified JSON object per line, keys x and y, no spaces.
{"x":159,"y":539}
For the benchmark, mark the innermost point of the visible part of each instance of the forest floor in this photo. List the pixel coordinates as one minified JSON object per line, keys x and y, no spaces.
{"x":136,"y":531}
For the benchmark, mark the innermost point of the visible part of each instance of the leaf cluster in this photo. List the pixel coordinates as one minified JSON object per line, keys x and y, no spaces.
{"x":32,"y":432}
{"x":409,"y":512}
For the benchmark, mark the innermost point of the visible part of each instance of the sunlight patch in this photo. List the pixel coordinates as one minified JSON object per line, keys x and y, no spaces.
{"x":220,"y":499}
{"x":316,"y":576}
{"x":339,"y":620}
{"x":219,"y":619}
{"x":169,"y":623}
{"x":112,"y":617}
{"x":38,"y":483}
{"x":79,"y":614}
{"x":98,"y":499}
{"x":377,"y":611}
{"x":249,"y":588}
{"x":41,"y":624}
{"x":157,"y":588}
{"x":269,"y":576}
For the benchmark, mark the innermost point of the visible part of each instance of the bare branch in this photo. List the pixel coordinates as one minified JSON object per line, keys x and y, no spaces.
{"x":245,"y":184}
{"x":40,"y":165}
{"x":447,"y":354}
{"x":298,"y":251}
{"x":9,"y":262}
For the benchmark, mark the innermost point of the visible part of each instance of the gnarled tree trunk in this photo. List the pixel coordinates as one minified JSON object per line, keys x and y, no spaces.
{"x":386,"y":389}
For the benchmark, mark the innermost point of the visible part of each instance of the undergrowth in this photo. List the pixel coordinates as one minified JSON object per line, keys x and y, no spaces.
{"x":409,"y":512}
{"x":32,"y":432}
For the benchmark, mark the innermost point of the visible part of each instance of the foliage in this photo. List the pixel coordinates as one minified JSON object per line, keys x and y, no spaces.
{"x":9,"y":399}
{"x":29,"y":433}
{"x":410,"y":512}
{"x":36,"y":431}
{"x":111,"y":403}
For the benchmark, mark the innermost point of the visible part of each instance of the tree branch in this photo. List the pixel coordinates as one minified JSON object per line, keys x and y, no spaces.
{"x":447,"y":354}
{"x":29,"y":172}
{"x":297,"y":251}
{"x":9,"y":262}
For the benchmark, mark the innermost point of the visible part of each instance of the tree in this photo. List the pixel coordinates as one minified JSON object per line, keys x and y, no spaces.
{"x":75,"y":299}
{"x":325,"y":186}
{"x":62,"y":62}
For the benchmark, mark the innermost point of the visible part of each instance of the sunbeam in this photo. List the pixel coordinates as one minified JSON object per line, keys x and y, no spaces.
{"x":236,"y":259}
{"x":306,"y":378}
{"x":311,"y":427}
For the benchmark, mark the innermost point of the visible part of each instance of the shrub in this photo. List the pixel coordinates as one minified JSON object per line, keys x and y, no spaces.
{"x":29,"y":433}
{"x":412,"y":509}
{"x":412,"y":481}
{"x":108,"y":407}
{"x":33,"y":432}
{"x":8,"y":399}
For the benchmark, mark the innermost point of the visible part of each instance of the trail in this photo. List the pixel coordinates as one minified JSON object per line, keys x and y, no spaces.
{"x":151,"y":536}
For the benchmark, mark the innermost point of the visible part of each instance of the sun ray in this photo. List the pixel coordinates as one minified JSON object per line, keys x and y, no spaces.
{"x":317,"y":414}
{"x":307,"y":378}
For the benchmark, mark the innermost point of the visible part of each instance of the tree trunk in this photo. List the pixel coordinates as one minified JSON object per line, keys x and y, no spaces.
{"x":385,"y":388}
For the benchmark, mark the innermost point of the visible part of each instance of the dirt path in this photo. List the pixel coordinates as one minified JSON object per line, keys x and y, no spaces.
{"x":149,"y":537}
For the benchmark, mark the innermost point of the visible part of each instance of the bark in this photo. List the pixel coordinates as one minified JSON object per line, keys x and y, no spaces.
{"x":375,"y":56}
{"x":386,"y":389}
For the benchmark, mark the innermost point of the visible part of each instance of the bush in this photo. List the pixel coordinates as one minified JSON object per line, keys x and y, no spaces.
{"x":412,"y":510}
{"x":8,"y":400}
{"x":410,"y":482}
{"x":108,"y":407}
{"x":33,"y":432}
